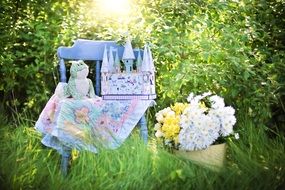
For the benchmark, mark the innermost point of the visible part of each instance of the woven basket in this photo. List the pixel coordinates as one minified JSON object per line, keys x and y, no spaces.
{"x":213,"y":157}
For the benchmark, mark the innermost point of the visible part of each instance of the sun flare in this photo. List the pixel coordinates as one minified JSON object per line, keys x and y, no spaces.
{"x":121,"y":7}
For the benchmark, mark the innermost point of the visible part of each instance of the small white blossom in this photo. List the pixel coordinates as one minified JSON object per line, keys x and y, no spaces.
{"x":217,"y":102}
{"x":190,"y":97}
{"x":236,"y":136}
{"x":159,"y":118}
{"x":170,"y":113}
{"x":157,"y":126}
{"x":158,"y":134}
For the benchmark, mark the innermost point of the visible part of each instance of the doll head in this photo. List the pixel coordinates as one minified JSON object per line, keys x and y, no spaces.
{"x":79,"y":69}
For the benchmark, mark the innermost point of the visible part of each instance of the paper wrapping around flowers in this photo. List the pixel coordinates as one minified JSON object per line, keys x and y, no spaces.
{"x":213,"y":157}
{"x":90,"y":123}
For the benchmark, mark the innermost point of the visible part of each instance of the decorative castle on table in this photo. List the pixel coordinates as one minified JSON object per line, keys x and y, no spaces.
{"x":138,"y":83}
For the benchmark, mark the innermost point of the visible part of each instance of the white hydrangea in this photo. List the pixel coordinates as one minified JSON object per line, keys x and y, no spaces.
{"x":198,"y":132}
{"x":226,"y":118}
{"x":227,"y":125}
{"x":200,"y":126}
{"x":190,"y":97}
{"x":217,"y":102}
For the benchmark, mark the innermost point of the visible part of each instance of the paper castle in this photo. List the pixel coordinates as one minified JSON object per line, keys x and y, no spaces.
{"x":136,"y":81}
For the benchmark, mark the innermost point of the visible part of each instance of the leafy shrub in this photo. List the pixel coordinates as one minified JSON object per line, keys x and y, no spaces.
{"x":28,"y":64}
{"x":235,"y":49}
{"x":216,"y":46}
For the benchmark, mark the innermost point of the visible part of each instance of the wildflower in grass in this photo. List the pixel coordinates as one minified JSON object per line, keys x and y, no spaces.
{"x":236,"y":136}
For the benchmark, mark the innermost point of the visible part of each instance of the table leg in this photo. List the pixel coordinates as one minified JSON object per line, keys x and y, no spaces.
{"x":65,"y":157}
{"x":143,"y":128}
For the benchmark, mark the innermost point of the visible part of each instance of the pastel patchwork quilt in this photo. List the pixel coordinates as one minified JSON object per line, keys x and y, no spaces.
{"x":89,"y":124}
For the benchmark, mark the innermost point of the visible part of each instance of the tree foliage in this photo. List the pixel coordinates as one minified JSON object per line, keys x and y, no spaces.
{"x":218,"y":46}
{"x":30,"y":33}
{"x":232,"y":48}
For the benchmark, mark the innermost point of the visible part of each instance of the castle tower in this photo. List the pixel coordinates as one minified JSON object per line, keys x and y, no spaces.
{"x":151,"y":64}
{"x":148,"y":70}
{"x":104,"y":73}
{"x":105,"y":62}
{"x":111,"y":60}
{"x":146,"y":61}
{"x":139,"y":61}
{"x":152,"y":74}
{"x":128,"y":57}
{"x":117,"y":65}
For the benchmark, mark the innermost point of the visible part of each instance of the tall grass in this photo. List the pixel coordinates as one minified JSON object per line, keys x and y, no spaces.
{"x":253,"y":162}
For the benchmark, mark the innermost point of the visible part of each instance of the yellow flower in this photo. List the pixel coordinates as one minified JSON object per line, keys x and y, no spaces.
{"x":178,"y":107}
{"x":202,"y":105}
{"x":168,"y":121}
{"x":170,"y":131}
{"x":171,"y":127}
{"x":176,"y":140}
{"x":171,"y":120}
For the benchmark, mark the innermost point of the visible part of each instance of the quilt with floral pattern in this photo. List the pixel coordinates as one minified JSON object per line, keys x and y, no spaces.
{"x":89,"y":124}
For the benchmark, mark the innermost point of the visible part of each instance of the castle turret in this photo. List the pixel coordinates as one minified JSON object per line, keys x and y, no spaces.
{"x":111,"y":60}
{"x":104,"y":73}
{"x":139,"y":61}
{"x":150,"y":59}
{"x":147,"y":64}
{"x":117,"y":65}
{"x":148,"y":70}
{"x":105,"y":62}
{"x":146,"y":61}
{"x":128,"y":57}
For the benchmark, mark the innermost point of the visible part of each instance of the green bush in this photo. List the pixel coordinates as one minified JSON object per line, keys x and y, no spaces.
{"x":235,"y":49}
{"x":32,"y":32}
{"x":220,"y":47}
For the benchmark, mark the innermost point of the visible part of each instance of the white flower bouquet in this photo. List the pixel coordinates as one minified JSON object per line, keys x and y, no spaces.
{"x":195,"y":125}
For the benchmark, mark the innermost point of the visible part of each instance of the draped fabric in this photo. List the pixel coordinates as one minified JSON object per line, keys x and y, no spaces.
{"x":89,"y":124}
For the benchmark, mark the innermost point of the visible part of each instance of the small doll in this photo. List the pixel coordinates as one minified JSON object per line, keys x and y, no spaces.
{"x":78,"y":86}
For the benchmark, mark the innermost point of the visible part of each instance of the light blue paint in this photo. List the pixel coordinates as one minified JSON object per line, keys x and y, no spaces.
{"x":98,"y":77}
{"x":62,"y":70}
{"x":65,"y":157}
{"x":143,"y":129}
{"x":128,"y":65}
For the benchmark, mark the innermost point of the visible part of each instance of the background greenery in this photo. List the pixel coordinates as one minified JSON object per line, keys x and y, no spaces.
{"x":233,"y":48}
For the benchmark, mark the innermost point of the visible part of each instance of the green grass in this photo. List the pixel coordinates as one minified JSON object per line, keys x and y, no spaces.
{"x":255,"y":161}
